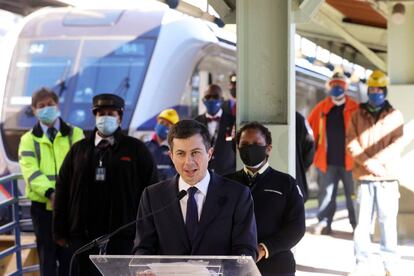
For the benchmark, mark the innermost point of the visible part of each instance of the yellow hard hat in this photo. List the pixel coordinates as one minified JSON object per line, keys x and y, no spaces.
{"x":170,"y":115}
{"x":377,"y":79}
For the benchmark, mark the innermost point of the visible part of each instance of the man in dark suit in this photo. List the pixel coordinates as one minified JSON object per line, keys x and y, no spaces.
{"x":221,"y":126}
{"x":278,"y":205}
{"x":216,"y":216}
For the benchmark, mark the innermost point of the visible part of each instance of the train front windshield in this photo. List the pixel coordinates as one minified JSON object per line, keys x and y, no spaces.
{"x":76,"y":70}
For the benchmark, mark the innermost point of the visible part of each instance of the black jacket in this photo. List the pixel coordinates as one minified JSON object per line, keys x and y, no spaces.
{"x":280,"y":217}
{"x":223,"y":160}
{"x":80,"y":199}
{"x":305,"y":150}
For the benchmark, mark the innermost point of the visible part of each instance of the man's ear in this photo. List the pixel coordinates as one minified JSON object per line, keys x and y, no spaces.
{"x":210,"y":153}
{"x":268,"y":149}
{"x":170,"y":154}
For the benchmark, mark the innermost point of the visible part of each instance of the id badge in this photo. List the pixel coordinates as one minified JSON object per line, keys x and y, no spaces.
{"x":100,"y":174}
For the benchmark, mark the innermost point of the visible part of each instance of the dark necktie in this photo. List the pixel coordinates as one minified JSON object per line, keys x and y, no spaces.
{"x":103,"y":144}
{"x":51,"y":133}
{"x":191,"y":218}
{"x":213,"y":119}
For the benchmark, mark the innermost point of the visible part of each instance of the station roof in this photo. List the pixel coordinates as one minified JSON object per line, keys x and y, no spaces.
{"x":24,"y":7}
{"x":353,"y":29}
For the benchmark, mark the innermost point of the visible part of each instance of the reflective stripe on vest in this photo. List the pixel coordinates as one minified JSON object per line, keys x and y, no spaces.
{"x":39,"y":173}
{"x":34,"y":175}
{"x":27,"y":154}
{"x":37,"y":150}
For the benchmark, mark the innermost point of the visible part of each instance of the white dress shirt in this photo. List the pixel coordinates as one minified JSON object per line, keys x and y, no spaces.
{"x":212,"y":126}
{"x":200,"y":195}
{"x":56,"y":125}
{"x":110,"y":139}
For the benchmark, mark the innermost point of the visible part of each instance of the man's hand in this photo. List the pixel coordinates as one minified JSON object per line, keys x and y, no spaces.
{"x":62,"y":243}
{"x":375,"y":167}
{"x":52,"y":199}
{"x":262,"y":252}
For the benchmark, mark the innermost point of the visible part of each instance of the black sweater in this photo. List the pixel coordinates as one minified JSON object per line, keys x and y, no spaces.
{"x":280,"y":217}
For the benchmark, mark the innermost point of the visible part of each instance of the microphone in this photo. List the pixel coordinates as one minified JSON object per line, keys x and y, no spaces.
{"x":103,"y":240}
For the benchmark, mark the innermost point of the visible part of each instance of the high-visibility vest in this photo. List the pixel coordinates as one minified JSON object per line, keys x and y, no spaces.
{"x":40,"y":159}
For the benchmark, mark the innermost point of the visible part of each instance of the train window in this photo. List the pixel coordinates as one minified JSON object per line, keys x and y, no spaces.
{"x":36,"y":64}
{"x":110,"y":66}
{"x":92,"y":17}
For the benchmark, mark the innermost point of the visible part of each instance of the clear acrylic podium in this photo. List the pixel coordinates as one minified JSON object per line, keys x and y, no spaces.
{"x":123,"y":265}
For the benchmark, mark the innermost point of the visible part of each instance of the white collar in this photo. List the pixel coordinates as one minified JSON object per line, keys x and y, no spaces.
{"x":56,"y":125}
{"x":262,"y":169}
{"x":98,"y":138}
{"x":218,"y":114}
{"x":202,"y":186}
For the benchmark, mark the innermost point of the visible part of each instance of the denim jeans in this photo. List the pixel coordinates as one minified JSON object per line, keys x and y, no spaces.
{"x":382,"y":197}
{"x":328,"y":188}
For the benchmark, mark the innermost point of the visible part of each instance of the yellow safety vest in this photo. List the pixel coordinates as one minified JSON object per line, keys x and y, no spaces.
{"x":40,"y":160}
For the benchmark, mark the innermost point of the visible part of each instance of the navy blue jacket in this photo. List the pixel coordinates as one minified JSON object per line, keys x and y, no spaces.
{"x":165,"y":166}
{"x":223,"y":160}
{"x":280,"y":217}
{"x":227,"y":225}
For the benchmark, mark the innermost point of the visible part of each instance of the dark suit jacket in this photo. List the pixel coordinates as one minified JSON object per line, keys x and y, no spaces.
{"x":305,"y":150}
{"x":223,"y":160}
{"x":280,"y":217}
{"x":227,"y":225}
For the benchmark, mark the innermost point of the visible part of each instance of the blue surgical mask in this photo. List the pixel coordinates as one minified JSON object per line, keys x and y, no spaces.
{"x":337,"y":91}
{"x":47,"y":115}
{"x":213,"y":106}
{"x":161,"y":131}
{"x":376,"y":99}
{"x":107,"y":124}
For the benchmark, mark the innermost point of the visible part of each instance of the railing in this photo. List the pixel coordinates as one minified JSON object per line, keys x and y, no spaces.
{"x":15,"y":225}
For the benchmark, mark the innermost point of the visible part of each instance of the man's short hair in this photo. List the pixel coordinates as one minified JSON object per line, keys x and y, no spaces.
{"x":214,"y":89}
{"x":257,"y":126}
{"x":42,"y":94}
{"x":187,"y":128}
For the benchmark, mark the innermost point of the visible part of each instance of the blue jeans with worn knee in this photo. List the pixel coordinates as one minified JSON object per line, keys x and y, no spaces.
{"x":382,"y":197}
{"x":328,"y":188}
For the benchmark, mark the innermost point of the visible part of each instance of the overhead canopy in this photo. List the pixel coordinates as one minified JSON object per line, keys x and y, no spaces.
{"x":353,"y":29}
{"x":24,"y":7}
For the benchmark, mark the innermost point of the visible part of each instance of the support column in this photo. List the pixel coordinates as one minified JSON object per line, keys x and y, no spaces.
{"x":265,"y":77}
{"x":401,"y":96}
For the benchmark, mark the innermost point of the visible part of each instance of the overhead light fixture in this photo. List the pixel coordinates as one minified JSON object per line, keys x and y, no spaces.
{"x":398,"y":13}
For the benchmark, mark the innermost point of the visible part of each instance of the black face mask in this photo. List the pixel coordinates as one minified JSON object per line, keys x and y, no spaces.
{"x":252,"y":155}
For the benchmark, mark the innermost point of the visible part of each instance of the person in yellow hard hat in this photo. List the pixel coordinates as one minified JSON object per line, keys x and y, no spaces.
{"x":374,"y":138}
{"x":158,"y":145}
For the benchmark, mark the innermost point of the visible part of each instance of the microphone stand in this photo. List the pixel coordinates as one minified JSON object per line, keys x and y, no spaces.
{"x":102,"y":241}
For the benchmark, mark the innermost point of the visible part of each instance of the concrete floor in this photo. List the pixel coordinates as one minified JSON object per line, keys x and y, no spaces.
{"x":333,"y":255}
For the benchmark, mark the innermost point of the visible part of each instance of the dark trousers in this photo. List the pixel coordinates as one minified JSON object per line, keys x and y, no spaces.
{"x":328,"y":188}
{"x":50,"y":255}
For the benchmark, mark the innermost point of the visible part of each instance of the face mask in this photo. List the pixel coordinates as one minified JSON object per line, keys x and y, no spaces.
{"x":161,"y":131}
{"x":252,"y":155}
{"x":337,"y":91}
{"x":213,"y":106}
{"x":376,"y":99}
{"x":47,"y":115}
{"x":106,"y":125}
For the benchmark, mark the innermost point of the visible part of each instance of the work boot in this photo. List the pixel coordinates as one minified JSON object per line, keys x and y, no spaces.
{"x":321,"y":228}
